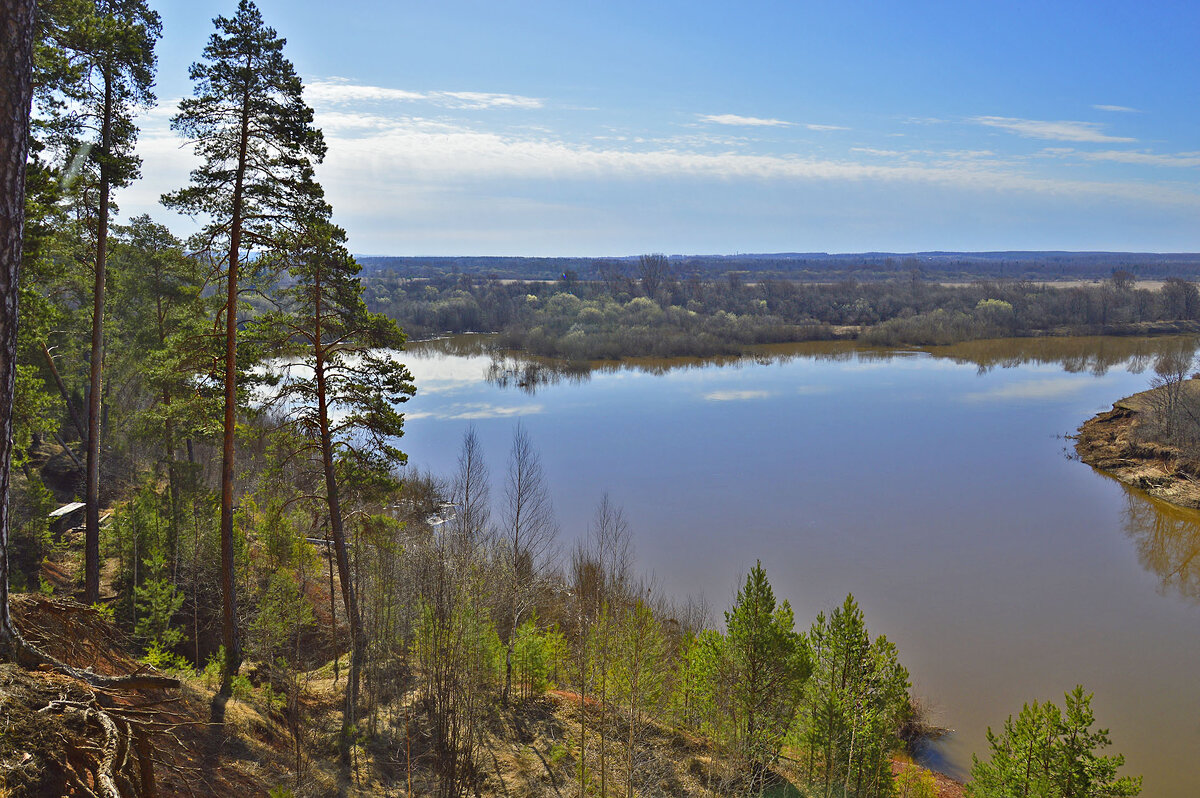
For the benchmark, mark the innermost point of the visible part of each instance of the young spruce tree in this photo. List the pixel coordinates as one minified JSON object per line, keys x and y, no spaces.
{"x":253,"y":131}
{"x":1051,"y":753}
{"x":768,"y":664}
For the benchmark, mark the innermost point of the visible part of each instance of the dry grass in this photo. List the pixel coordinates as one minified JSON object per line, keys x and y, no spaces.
{"x":205,"y":746}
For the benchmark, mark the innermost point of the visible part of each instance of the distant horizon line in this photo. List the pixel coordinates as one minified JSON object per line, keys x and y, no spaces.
{"x":869,"y":253}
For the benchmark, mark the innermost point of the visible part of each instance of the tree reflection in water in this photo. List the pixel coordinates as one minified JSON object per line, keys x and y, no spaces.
{"x":1076,"y":355}
{"x":530,"y":375}
{"x":1167,"y":539}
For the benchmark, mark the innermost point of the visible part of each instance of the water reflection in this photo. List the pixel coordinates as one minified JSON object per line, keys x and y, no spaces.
{"x":531,"y":374}
{"x":1167,"y":540}
{"x":1075,"y":355}
{"x":949,"y":550}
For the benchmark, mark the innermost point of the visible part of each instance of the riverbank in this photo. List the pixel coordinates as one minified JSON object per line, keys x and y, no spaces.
{"x":1112,"y":442}
{"x":591,"y":349}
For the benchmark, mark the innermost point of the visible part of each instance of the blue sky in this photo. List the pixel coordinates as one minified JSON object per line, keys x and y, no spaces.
{"x":613,"y":128}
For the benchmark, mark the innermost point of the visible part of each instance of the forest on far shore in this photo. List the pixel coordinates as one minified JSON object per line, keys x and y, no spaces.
{"x":650,"y":307}
{"x":817,"y":266}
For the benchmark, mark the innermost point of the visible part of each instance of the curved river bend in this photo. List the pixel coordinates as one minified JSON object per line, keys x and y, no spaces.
{"x":933,"y":485}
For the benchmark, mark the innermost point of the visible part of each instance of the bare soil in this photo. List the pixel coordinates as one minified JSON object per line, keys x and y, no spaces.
{"x":62,"y":737}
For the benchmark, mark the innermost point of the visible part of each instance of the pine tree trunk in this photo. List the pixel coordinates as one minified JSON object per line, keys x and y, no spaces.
{"x":229,"y":632}
{"x":336,"y":526}
{"x":91,"y":536}
{"x":173,"y":486}
{"x":16,"y":92}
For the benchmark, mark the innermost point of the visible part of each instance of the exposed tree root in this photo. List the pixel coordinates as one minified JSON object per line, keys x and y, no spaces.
{"x":17,"y":649}
{"x":115,"y":772}
{"x":78,"y":632}
{"x":121,"y":766}
{"x":113,"y":738}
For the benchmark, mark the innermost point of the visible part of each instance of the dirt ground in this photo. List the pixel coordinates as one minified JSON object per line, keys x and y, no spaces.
{"x":189,"y":742}
{"x":1110,"y":442}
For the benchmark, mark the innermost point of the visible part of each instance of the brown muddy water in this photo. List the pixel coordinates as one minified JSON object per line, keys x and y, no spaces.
{"x":933,"y":485}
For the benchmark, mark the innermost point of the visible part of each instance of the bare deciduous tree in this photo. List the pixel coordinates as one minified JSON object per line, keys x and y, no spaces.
{"x":527,"y":535}
{"x":471,"y":493}
{"x":655,"y":271}
{"x":1173,"y":419}
{"x":600,"y":572}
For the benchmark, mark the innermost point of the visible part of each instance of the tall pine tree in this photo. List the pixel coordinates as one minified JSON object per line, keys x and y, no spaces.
{"x":344,"y":400}
{"x":16,"y":91}
{"x":115,"y":48}
{"x":253,"y":131}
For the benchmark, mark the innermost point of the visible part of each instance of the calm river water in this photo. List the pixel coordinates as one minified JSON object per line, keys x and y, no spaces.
{"x":933,"y":485}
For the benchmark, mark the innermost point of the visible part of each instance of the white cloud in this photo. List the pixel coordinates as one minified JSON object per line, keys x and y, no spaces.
{"x":1120,"y":109}
{"x":340,"y":91}
{"x":968,"y":154}
{"x":412,"y":151}
{"x":1183,"y":159}
{"x":479,"y":99}
{"x":337,"y":91}
{"x":1055,"y":131}
{"x":342,"y":121}
{"x":736,"y":396}
{"x":749,"y":121}
{"x":381,"y":162}
{"x":1135,"y":157}
{"x":910,"y":155}
{"x":754,"y":121}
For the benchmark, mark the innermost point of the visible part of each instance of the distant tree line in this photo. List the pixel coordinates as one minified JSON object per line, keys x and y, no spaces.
{"x":817,"y":266}
{"x":650,"y":308}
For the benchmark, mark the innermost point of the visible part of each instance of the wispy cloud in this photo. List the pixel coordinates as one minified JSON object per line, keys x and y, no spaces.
{"x":968,"y":154}
{"x":1184,"y":159}
{"x":395,"y":153}
{"x":910,"y":155}
{"x":753,"y":121}
{"x":746,"y":121}
{"x":340,"y":91}
{"x":1055,"y":131}
{"x":480,"y":99}
{"x":1120,"y":109}
{"x":389,"y":157}
{"x":736,"y":396}
{"x":415,"y":150}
